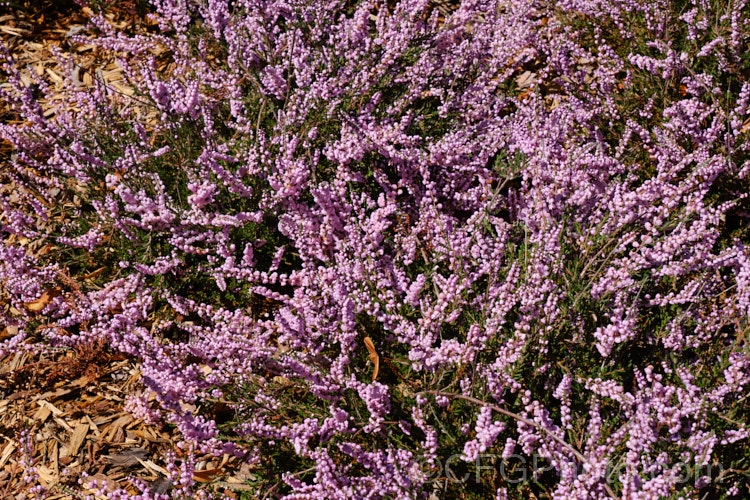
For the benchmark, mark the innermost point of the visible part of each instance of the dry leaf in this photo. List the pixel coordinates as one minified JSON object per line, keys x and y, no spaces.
{"x":9,"y":331}
{"x":205,"y":476}
{"x":42,"y":301}
{"x":526,"y":79}
{"x":94,"y":274}
{"x":373,"y":357}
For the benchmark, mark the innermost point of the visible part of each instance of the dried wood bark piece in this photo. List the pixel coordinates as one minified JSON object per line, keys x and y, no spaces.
{"x":128,"y":458}
{"x":7,"y":451}
{"x":79,"y":435}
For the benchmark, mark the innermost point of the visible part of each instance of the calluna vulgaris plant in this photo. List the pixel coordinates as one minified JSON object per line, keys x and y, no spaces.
{"x":534,"y":211}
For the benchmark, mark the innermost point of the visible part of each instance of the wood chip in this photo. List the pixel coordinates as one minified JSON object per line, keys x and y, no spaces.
{"x":62,"y":423}
{"x":47,"y":476}
{"x":57,"y":393}
{"x":14,"y":31}
{"x":9,"y":448}
{"x":50,"y":407}
{"x":42,"y":414}
{"x":55,"y":77}
{"x":53,"y":452}
{"x":18,"y":360}
{"x":153,"y":467}
{"x":128,"y":458}
{"x":117,"y":425}
{"x":93,"y":426}
{"x":79,"y":435}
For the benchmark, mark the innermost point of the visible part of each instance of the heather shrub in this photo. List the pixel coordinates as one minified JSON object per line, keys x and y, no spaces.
{"x":412,"y":250}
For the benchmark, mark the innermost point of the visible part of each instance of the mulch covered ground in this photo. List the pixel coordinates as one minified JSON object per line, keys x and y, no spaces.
{"x":71,"y":404}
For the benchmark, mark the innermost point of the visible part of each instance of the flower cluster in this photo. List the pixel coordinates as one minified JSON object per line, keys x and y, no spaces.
{"x":387,"y":232}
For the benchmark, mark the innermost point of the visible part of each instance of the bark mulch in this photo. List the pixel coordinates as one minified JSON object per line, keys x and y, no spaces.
{"x":64,"y":412}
